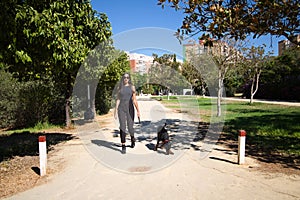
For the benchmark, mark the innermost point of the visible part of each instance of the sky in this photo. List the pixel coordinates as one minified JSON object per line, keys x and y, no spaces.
{"x":127,"y":15}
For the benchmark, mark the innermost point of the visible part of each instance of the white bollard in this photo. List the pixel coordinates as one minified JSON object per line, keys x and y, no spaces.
{"x":242,"y":147}
{"x":43,"y":155}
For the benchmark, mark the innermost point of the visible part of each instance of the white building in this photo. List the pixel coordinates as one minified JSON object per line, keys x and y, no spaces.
{"x":139,"y":62}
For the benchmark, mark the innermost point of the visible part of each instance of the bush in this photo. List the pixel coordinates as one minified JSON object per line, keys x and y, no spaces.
{"x":39,"y":101}
{"x":28,"y":103}
{"x":9,"y":91}
{"x":103,"y":99}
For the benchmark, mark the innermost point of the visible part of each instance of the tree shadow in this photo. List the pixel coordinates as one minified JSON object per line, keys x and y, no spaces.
{"x":26,"y":143}
{"x":181,"y":132}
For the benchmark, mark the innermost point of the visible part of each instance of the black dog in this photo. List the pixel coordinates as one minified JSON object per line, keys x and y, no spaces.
{"x":163,"y":136}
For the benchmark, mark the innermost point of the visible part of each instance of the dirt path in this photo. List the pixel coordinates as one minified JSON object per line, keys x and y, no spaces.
{"x":95,"y":169}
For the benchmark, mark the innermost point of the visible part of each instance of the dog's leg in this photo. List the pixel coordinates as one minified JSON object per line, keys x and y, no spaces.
{"x":168,"y":148}
{"x":156,"y":146}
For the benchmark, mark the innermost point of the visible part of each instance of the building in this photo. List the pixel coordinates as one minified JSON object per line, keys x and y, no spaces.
{"x":285,"y":44}
{"x":218,"y":48}
{"x":139,"y":62}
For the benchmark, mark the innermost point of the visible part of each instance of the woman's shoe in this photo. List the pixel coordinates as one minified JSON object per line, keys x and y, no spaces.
{"x":123,"y":149}
{"x":132,"y":142}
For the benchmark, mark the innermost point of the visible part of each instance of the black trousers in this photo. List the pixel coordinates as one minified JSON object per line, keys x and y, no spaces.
{"x":126,"y":117}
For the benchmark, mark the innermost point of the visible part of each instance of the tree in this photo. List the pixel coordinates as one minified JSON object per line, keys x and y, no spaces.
{"x":238,"y":18}
{"x":280,"y":77}
{"x":8,"y":99}
{"x":215,"y":63}
{"x":167,"y":59}
{"x":52,"y":39}
{"x":166,"y":73}
{"x":108,"y":80}
{"x":194,"y":78}
{"x":255,"y":64}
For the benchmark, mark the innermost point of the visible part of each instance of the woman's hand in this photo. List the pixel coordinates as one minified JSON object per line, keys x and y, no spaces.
{"x":138,"y":113}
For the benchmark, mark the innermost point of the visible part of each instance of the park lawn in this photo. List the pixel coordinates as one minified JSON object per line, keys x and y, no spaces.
{"x":271,"y":129}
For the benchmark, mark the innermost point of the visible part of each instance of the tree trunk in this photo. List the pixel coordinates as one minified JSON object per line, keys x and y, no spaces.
{"x":93,"y":89}
{"x":220,"y":88}
{"x":68,"y":102}
{"x":68,"y":109}
{"x":203,"y":88}
{"x":255,"y":80}
{"x":252,"y":88}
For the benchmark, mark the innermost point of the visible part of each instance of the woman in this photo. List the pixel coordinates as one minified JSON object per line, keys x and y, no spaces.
{"x":126,"y":100}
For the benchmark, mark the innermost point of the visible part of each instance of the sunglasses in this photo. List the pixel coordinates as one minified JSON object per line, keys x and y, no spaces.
{"x":126,"y":77}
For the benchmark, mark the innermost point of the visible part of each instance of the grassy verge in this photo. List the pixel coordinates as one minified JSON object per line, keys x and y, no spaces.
{"x":24,"y":142}
{"x":38,"y":127}
{"x":273,"y":131}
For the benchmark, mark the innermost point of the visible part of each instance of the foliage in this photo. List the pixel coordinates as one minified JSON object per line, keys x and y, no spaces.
{"x":255,"y":64}
{"x":99,"y":72}
{"x":39,"y":101}
{"x":281,"y":78}
{"x":193,"y":75}
{"x":29,"y":103}
{"x":108,"y":80}
{"x":148,"y":89}
{"x":165,"y":72}
{"x":215,"y":63}
{"x":168,"y":60}
{"x":50,"y":39}
{"x":139,"y":80}
{"x":238,"y":19}
{"x":9,"y":91}
{"x":234,"y":83}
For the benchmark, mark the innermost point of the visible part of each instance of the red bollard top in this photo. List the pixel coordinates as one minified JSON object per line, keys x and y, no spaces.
{"x":242,"y":133}
{"x":42,"y":138}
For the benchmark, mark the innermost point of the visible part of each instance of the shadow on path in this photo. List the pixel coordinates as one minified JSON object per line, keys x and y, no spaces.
{"x":107,"y":144}
{"x":222,"y":159}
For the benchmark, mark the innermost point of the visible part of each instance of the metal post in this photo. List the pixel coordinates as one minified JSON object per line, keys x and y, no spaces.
{"x":43,"y":155}
{"x":241,"y":147}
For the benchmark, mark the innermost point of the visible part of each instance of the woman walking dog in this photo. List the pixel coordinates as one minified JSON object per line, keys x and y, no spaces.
{"x":126,"y":101}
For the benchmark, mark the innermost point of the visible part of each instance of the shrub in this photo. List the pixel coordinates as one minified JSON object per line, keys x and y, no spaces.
{"x":9,"y":91}
{"x":24,"y":104}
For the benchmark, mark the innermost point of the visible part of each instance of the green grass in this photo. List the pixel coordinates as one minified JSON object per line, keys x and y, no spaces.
{"x":24,"y":142}
{"x":38,"y":127}
{"x":272,"y":130}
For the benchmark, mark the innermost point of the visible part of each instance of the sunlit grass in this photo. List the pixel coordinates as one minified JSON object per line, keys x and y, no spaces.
{"x":38,"y":127}
{"x":272,"y":128}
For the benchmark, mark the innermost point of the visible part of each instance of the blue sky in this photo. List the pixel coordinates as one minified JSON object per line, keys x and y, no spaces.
{"x":125,"y":15}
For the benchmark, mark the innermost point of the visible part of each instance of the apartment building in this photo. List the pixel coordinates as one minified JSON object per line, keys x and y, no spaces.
{"x":285,"y":44}
{"x":140,"y":63}
{"x":194,"y":48}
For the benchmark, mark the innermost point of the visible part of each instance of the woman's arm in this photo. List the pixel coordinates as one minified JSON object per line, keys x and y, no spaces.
{"x":135,"y":101}
{"x":116,"y":108}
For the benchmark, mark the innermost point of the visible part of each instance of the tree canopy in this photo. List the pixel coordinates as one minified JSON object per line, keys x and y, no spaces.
{"x":238,"y":18}
{"x":49,"y":40}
